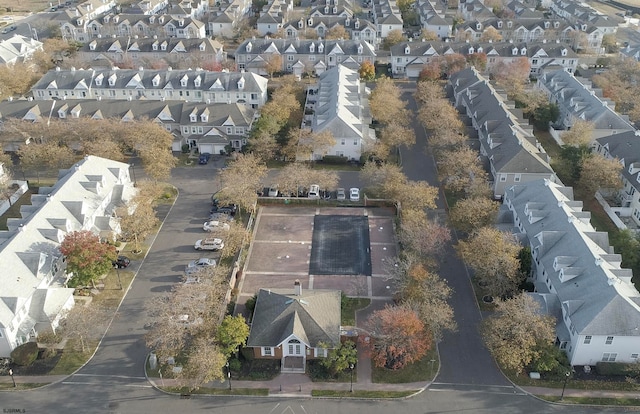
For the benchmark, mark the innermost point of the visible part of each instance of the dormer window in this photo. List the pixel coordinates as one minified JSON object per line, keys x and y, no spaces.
{"x":193,"y":118}
{"x":196,"y":81}
{"x":563,"y":52}
{"x":310,"y":21}
{"x":99,"y":79}
{"x":249,"y":46}
{"x":523,"y":51}
{"x":326,"y":9}
{"x":407,"y":50}
{"x":202,"y":47}
{"x":152,"y":19}
{"x":480,"y":49}
{"x":509,"y":24}
{"x":347,"y":22}
{"x":584,"y":27}
{"x":112,"y":80}
{"x":321,"y":48}
{"x":241,"y":84}
{"x":514,"y":51}
{"x":184,"y":80}
{"x":360,"y":49}
{"x":556,"y":24}
{"x":478,"y":26}
{"x":547,"y":25}
{"x":335,"y":10}
{"x":499,"y":25}
{"x":312,"y":48}
{"x":471,"y":50}
{"x":92,"y":45}
{"x":163,"y":46}
{"x":155,"y":81}
{"x":154,"y":46}
{"x":300,"y":24}
{"x":204,"y":117}
{"x":62,"y":113}
{"x":357,"y":24}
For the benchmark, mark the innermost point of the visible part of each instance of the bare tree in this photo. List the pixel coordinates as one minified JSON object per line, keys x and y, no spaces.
{"x":86,"y":323}
{"x":241,"y":180}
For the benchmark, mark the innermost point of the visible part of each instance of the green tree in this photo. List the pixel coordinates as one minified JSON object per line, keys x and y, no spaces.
{"x":545,"y":114}
{"x":628,"y":245}
{"x":569,"y":164}
{"x":232,"y":333}
{"x":340,"y":358}
{"x":87,"y":258}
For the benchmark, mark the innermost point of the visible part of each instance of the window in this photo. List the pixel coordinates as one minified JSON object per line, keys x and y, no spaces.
{"x":609,"y":340}
{"x":343,"y":141}
{"x":609,"y":357}
{"x":503,"y":177}
{"x":587,"y":339}
{"x":267,"y":351}
{"x":355,"y":142}
{"x":229,"y":130}
{"x":634,"y":356}
{"x":290,"y":58}
{"x":517,"y":178}
{"x":321,"y":352}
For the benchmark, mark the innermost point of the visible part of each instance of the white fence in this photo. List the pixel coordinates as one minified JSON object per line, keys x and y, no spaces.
{"x":22,"y":188}
{"x":612,"y":215}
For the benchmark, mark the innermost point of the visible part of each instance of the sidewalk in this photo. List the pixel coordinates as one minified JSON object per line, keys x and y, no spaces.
{"x":300,"y":385}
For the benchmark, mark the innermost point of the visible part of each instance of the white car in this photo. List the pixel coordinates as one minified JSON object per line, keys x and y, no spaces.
{"x":354,"y":194}
{"x":196,"y":265}
{"x":273,"y":191}
{"x":214,"y":244}
{"x":340,"y":194}
{"x":314,"y":191}
{"x":214,"y":225}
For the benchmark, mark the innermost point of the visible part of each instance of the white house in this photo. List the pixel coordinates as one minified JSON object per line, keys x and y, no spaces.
{"x":577,"y":276}
{"x":340,"y":105}
{"x":17,"y":49}
{"x":32,"y":281}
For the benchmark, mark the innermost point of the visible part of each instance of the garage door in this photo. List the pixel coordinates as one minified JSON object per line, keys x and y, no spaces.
{"x":208,"y":148}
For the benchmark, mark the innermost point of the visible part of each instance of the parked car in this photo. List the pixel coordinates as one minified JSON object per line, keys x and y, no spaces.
{"x":8,"y":29}
{"x":204,"y":158}
{"x":225,"y":218}
{"x":121,"y":262}
{"x":340,"y":195}
{"x":230,"y":209}
{"x":354,"y":194}
{"x":214,"y":244}
{"x":273,"y":191}
{"x":196,"y":265}
{"x":214,"y":225}
{"x":314,"y":191}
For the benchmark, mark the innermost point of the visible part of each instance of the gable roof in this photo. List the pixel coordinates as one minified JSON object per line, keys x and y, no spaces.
{"x":313,"y":317}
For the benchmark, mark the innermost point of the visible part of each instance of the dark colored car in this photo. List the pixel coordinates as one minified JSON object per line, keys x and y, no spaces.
{"x":230,"y":209}
{"x":121,"y":262}
{"x":204,"y":158}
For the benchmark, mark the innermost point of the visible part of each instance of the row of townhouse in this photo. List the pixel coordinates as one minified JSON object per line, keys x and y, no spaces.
{"x":273,"y":15}
{"x":144,"y":7}
{"x":331,"y":8}
{"x":211,"y":128}
{"x":577,"y":100}
{"x":73,"y":22}
{"x":510,"y":151}
{"x":474,"y":10}
{"x":174,"y":52}
{"x":433,"y":19}
{"x":409,"y":58}
{"x":303,"y":56}
{"x":17,"y":48}
{"x":315,"y":27}
{"x":386,"y":16}
{"x":117,"y":25}
{"x":577,"y":276}
{"x":592,"y":24}
{"x":162,"y":84}
{"x":550,"y":30}
{"x":33,"y":280}
{"x":339,"y":104}
{"x":625,"y":147}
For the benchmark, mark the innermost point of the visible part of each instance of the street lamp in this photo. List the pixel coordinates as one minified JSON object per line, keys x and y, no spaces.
{"x":431,"y":368}
{"x":133,"y":169}
{"x":12,"y":379}
{"x":351,"y":368}
{"x":564,"y":386}
{"x":229,"y":374}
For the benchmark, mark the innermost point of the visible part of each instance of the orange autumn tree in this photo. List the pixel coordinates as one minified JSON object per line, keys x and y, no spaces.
{"x":398,"y":337}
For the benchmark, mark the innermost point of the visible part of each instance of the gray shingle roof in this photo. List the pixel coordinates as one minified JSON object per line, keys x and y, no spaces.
{"x":594,"y":291}
{"x":313,"y":317}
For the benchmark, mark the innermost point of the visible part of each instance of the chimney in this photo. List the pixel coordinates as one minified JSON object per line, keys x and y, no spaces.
{"x":297,"y":288}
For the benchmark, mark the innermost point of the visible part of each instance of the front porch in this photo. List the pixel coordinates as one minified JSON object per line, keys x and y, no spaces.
{"x":293,"y":364}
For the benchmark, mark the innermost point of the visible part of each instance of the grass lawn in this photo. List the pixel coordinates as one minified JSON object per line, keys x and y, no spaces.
{"x":420,"y":371}
{"x":20,"y":386}
{"x":72,"y":359}
{"x":548,"y":143}
{"x":593,"y":400}
{"x":184,"y":160}
{"x":14,"y":210}
{"x":219,"y":391}
{"x":349,"y":308}
{"x":276,"y":164}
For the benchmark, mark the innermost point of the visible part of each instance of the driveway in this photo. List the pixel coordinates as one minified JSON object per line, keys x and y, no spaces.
{"x":464,"y":359}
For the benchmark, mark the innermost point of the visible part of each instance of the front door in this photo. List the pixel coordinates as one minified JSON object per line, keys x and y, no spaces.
{"x":295,"y":347}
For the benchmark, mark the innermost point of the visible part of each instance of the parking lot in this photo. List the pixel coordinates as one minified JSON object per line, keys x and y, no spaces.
{"x":281,"y":252}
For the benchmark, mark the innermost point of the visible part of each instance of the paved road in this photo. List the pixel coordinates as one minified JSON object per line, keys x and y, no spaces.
{"x":464,"y":359}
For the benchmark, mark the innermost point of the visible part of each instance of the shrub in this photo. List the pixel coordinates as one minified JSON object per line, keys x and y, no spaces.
{"x":235,"y":364}
{"x":185,"y":148}
{"x":48,"y":353}
{"x":25,"y":354}
{"x":618,"y":368}
{"x":335,"y":159}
